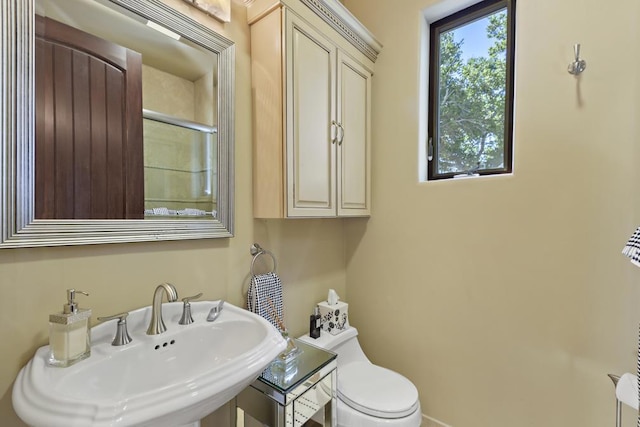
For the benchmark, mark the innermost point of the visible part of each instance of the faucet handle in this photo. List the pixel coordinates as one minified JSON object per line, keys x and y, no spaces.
{"x":188,"y":299}
{"x":122,"y":335}
{"x":186,"y":318}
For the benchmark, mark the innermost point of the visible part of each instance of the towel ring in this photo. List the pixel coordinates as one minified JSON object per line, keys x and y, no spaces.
{"x":256,"y":251}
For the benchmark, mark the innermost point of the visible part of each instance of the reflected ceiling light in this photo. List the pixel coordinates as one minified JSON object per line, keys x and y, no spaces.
{"x":163,"y":30}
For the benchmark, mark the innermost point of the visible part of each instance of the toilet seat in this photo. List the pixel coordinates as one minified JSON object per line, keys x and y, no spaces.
{"x":376,"y":391}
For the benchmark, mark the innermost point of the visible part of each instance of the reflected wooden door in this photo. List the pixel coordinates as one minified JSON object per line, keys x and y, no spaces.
{"x":88,"y":141}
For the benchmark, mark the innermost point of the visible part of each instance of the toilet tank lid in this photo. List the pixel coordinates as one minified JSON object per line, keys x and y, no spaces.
{"x":328,"y":341}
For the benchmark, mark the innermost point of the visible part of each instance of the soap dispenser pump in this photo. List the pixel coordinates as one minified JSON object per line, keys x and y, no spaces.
{"x":69,"y":333}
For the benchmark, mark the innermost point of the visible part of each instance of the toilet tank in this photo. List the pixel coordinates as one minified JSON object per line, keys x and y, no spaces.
{"x":344,"y":344}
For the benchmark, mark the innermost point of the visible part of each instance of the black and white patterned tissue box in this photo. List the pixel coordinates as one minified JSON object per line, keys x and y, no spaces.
{"x":335,"y":318}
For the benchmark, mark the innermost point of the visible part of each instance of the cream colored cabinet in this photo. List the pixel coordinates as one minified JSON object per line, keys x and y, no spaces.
{"x":310,"y":141}
{"x":353,"y":140}
{"x":312,"y":96}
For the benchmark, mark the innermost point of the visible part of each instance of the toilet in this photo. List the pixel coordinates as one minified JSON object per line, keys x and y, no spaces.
{"x":368,"y":395}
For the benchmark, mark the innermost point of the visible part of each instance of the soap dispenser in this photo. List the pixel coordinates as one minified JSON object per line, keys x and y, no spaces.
{"x":315,"y":323}
{"x":69,"y":333}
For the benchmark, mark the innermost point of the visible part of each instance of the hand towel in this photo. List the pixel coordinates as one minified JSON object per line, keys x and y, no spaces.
{"x":627,"y":390}
{"x":265,"y":295}
{"x":191,"y":212}
{"x":632,"y":248}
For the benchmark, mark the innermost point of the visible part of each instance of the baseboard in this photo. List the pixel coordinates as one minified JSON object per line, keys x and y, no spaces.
{"x":432,"y":422}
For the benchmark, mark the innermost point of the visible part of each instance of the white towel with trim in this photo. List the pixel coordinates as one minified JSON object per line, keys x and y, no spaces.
{"x":265,"y":287}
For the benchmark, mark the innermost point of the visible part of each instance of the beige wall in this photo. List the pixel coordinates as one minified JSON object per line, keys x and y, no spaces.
{"x":506,"y":300}
{"x":167,"y":93}
{"x":311,"y":257}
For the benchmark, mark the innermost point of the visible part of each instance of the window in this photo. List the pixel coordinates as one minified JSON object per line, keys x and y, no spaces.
{"x":470,"y":120}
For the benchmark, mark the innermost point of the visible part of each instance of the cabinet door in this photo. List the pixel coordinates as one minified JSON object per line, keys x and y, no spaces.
{"x":353,"y":140}
{"x":310,"y":108}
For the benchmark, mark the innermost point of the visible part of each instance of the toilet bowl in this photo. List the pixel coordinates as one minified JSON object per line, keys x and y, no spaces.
{"x":368,"y":395}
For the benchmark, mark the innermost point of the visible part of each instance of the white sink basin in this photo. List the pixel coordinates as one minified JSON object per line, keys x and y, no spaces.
{"x":170,"y":379}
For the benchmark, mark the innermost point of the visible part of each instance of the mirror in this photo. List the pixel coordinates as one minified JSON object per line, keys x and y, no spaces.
{"x":200,"y":133}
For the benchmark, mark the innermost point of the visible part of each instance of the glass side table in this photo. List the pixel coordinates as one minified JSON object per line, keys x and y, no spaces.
{"x":290,"y":396}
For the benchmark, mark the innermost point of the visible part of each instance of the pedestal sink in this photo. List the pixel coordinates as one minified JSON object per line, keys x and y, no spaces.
{"x":166,"y":380}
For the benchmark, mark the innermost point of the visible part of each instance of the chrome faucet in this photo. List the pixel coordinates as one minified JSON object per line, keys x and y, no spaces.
{"x":156,"y":326}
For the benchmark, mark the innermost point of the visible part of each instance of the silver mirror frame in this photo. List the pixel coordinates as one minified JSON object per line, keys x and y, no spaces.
{"x":18,"y":227}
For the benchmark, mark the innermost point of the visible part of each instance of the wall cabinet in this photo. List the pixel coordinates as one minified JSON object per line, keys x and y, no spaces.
{"x":312,"y":98}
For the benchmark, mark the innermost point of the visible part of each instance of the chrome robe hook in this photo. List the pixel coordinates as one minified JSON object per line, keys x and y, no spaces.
{"x":578,"y":65}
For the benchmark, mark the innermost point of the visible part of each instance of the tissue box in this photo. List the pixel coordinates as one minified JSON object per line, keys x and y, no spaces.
{"x":335,"y":318}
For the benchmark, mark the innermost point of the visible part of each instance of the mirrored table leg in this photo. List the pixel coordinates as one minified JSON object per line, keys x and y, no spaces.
{"x":331,"y":409}
{"x":233,"y":412}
